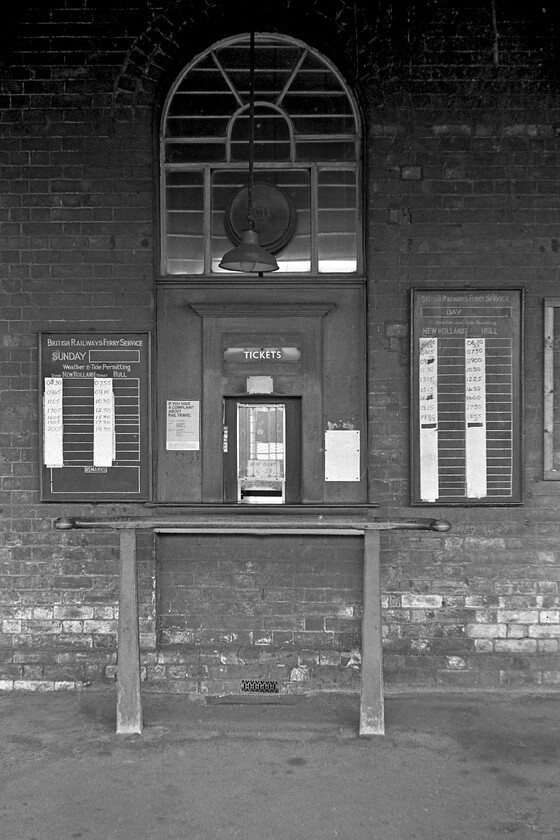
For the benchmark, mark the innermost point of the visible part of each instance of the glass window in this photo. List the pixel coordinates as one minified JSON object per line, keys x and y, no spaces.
{"x":184,"y":223}
{"x":261,"y":472}
{"x":337,"y":220}
{"x":306,"y":160}
{"x":287,"y":214}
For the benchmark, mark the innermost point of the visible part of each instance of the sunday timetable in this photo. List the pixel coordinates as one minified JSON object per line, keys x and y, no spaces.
{"x":95,"y":414}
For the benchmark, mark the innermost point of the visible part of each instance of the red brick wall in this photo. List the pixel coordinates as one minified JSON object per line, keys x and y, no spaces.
{"x":463,"y":187}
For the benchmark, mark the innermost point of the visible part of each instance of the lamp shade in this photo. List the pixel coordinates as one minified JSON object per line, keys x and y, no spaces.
{"x":248,"y":256}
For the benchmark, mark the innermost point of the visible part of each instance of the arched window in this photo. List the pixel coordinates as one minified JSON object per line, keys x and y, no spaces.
{"x":306,"y":195}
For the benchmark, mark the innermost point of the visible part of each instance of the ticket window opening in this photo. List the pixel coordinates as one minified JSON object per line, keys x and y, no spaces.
{"x":262,"y":451}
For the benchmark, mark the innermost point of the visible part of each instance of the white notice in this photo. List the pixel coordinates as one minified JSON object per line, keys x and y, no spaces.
{"x":103,"y":422}
{"x":342,"y":455}
{"x":52,"y":422}
{"x":475,"y":417}
{"x":183,"y":425}
{"x":428,"y":405}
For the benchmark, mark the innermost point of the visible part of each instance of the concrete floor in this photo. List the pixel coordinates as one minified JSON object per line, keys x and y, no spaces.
{"x":457,"y":766}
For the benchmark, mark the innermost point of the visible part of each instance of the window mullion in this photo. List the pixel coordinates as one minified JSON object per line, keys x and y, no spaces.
{"x":314,"y":220}
{"x":207,"y":222}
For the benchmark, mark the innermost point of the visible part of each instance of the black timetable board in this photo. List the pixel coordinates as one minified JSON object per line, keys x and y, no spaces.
{"x":95,"y":416}
{"x":466,"y":397}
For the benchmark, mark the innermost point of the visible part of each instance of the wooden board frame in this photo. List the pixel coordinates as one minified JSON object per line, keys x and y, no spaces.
{"x":466,"y":397}
{"x":550,"y":471}
{"x":77,"y":359}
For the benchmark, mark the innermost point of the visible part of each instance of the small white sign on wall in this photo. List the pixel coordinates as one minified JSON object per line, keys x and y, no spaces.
{"x":183,"y":425}
{"x":342,"y":455}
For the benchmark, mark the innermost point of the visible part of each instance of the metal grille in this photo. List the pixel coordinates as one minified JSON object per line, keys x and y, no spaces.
{"x":259,"y":686}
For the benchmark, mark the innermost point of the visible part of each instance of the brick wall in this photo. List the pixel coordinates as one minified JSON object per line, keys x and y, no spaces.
{"x":462,"y":115}
{"x":286,"y":609}
{"x":460,"y":204}
{"x":76,"y":217}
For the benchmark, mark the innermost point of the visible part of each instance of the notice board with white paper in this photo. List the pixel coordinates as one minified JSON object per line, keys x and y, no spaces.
{"x":342,"y":455}
{"x":466,"y":359}
{"x":95,"y":416}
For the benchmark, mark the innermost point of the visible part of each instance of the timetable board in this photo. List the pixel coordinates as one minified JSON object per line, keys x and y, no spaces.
{"x":466,"y":397}
{"x":95,"y":413}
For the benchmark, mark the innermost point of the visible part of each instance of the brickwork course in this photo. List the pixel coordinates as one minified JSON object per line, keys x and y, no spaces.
{"x":461,"y":107}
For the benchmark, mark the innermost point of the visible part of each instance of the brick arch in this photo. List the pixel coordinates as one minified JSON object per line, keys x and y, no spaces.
{"x":179,"y":32}
{"x":148,"y":56}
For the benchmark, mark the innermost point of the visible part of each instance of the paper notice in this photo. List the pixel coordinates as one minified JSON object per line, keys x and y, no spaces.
{"x":475,"y":417}
{"x":428,"y":404}
{"x":52,"y":422}
{"x":183,"y":425}
{"x":342,"y":455}
{"x":103,"y":422}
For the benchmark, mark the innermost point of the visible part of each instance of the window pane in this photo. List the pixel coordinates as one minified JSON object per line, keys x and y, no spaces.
{"x":205,"y":75}
{"x":195,"y":152}
{"x":272,"y":136}
{"x":337,"y":254}
{"x":274,"y":64}
{"x":337,"y":221}
{"x":185,"y":266}
{"x":295,"y":256}
{"x":184,"y":241}
{"x":314,"y":102}
{"x":183,"y":224}
{"x":261,"y":470}
{"x":310,"y":124}
{"x":326,"y":149}
{"x":265,"y":150}
{"x":190,"y":126}
{"x":202,"y":103}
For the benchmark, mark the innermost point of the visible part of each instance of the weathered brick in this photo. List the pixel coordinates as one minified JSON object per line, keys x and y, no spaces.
{"x":486,"y":631}
{"x":549,"y":616}
{"x":11,"y":626}
{"x":518,"y":616}
{"x":544,"y":631}
{"x":551,"y":677}
{"x":548,"y":646}
{"x":413,"y":601}
{"x":72,"y":612}
{"x":515,"y":645}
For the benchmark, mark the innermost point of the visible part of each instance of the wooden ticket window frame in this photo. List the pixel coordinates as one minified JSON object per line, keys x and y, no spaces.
{"x":292,"y":444}
{"x":551,"y":395}
{"x":253,"y":319}
{"x":461,"y":323}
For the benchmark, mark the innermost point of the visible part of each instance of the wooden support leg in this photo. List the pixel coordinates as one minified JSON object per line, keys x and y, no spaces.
{"x":371,"y":701}
{"x":129,"y":704}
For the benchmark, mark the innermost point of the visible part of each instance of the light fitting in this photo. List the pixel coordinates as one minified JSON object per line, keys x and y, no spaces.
{"x":248,"y":256}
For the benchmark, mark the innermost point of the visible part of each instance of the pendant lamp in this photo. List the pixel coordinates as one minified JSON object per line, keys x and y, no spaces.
{"x":248,"y":256}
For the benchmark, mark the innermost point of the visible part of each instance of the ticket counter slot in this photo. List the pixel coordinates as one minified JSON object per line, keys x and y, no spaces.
{"x":261,"y":455}
{"x":262,"y":464}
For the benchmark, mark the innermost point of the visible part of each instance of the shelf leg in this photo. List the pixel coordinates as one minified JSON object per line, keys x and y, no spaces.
{"x":129,"y":703}
{"x":371,"y":701}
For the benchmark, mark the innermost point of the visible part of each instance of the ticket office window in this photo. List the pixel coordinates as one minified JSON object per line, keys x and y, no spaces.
{"x":262,"y":450}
